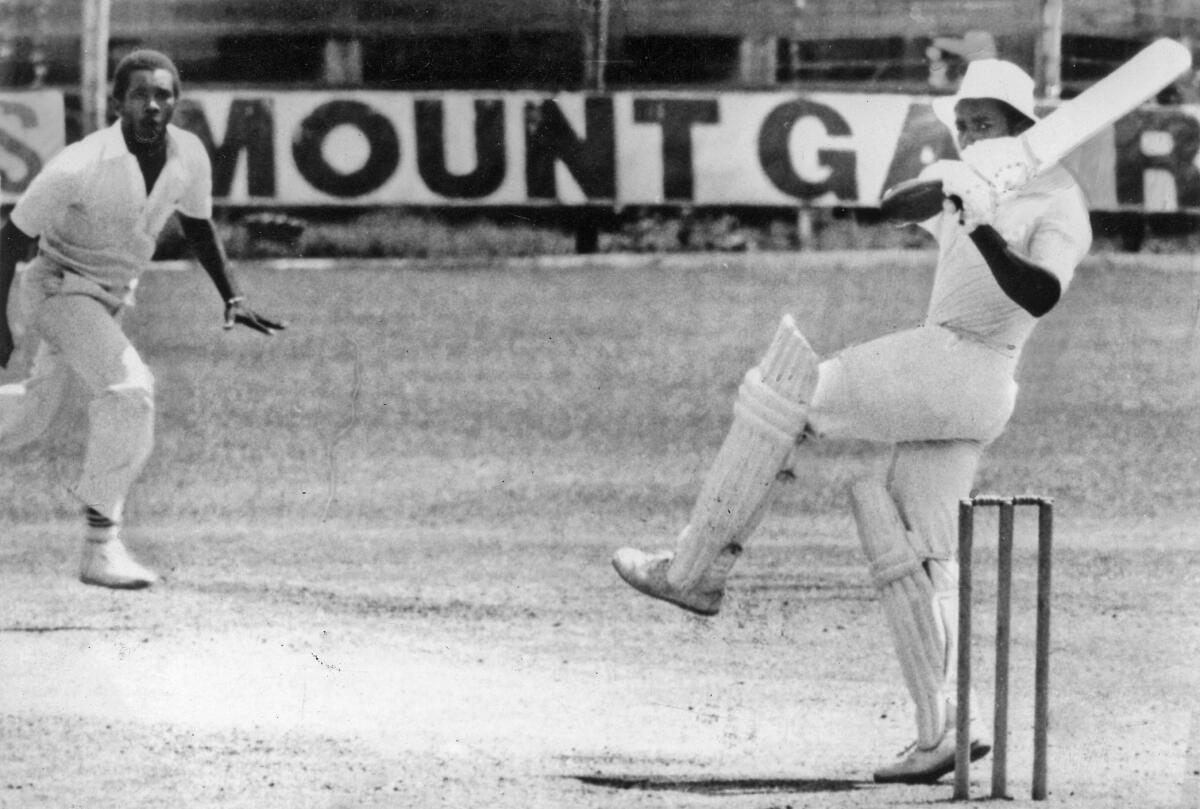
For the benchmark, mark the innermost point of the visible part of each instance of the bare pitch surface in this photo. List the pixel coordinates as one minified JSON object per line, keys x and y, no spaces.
{"x":387,"y":531}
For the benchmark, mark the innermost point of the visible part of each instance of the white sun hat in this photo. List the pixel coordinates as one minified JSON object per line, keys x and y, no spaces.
{"x":990,"y":78}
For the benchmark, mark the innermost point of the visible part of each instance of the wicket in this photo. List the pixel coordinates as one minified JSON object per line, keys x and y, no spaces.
{"x":966,"y":530}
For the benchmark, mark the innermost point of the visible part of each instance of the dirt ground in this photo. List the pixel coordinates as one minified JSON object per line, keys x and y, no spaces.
{"x":473,"y":668}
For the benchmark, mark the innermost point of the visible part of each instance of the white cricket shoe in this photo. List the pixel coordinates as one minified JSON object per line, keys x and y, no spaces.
{"x":647,"y":573}
{"x":925,"y":765}
{"x":109,"y":564}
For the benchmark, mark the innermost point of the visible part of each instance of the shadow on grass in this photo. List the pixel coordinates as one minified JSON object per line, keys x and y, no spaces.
{"x":720,"y":786}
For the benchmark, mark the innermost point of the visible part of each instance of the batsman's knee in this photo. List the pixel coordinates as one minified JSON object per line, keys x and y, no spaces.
{"x":926,"y":480}
{"x":889,"y":547}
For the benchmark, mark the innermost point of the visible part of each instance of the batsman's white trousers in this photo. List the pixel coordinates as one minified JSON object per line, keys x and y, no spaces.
{"x":923,"y":384}
{"x":936,"y":394}
{"x":939,"y":397}
{"x":82,"y":344}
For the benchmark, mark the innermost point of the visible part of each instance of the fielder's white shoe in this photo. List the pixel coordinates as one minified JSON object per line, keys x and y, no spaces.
{"x":109,"y":564}
{"x":925,"y":765}
{"x":647,"y":573}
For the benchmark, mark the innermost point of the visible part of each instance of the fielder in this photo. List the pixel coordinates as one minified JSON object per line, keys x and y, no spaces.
{"x":95,"y":212}
{"x":939,"y":393}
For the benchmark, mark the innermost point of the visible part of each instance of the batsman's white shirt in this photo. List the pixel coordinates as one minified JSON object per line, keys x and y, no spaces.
{"x":1047,"y":221}
{"x":90,"y":207}
{"x":952,"y":377}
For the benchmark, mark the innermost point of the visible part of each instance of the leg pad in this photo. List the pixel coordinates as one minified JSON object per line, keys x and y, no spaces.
{"x":910,"y":602}
{"x":769,"y":414}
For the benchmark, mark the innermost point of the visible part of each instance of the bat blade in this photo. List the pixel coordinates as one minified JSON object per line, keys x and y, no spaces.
{"x":1118,"y":93}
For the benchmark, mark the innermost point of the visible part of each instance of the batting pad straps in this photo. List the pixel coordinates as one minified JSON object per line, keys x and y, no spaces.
{"x":909,"y":602}
{"x":774,"y":394}
{"x":770,"y":412}
{"x":896,"y":563}
{"x":767,"y":410}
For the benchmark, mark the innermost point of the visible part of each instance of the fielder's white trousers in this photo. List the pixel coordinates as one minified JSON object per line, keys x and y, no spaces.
{"x":82,"y":347}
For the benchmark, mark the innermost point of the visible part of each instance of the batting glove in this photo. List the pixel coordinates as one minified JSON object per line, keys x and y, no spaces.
{"x":1006,"y":163}
{"x":971,"y":194}
{"x":236,"y":312}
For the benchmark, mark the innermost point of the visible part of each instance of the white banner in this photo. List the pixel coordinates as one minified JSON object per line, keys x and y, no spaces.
{"x":477,"y":148}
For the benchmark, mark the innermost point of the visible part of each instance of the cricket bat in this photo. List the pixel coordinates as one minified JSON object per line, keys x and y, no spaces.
{"x":1069,"y":126}
{"x":1120,"y":92}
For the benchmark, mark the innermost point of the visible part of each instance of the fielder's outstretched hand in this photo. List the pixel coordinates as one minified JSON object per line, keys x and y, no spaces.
{"x":236,"y":312}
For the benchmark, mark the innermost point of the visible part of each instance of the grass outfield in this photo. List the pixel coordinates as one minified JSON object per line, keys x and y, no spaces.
{"x":471,"y":393}
{"x":386,"y":534}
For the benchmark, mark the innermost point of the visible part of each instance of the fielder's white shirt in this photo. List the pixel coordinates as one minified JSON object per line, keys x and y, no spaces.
{"x":90,"y":208}
{"x":1047,"y":221}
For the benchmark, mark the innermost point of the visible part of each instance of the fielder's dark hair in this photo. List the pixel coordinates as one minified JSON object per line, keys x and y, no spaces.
{"x":142,"y":59}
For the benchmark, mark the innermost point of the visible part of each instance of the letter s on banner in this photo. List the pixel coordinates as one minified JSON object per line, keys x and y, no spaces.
{"x":32,"y":129}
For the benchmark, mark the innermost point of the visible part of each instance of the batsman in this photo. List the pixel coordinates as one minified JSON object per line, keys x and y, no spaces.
{"x":1009,"y":239}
